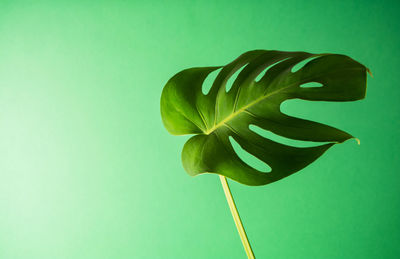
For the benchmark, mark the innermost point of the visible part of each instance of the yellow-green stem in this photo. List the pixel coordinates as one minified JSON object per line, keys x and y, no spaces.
{"x":236,"y":218}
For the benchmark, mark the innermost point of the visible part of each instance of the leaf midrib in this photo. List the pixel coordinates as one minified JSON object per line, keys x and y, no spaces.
{"x":234,"y":114}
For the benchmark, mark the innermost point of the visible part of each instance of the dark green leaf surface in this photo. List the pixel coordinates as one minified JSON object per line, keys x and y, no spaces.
{"x":221,"y":114}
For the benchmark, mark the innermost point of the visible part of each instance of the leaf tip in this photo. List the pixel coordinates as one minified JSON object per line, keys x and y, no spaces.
{"x":358,"y":141}
{"x":370,"y":73}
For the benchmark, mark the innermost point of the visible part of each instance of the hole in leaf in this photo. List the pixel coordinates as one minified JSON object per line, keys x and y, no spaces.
{"x":248,"y":158}
{"x":232,"y":78}
{"x":301,"y":64}
{"x":311,"y":84}
{"x":262,"y":73}
{"x":208,"y":82}
{"x":316,"y":111}
{"x":283,"y":140}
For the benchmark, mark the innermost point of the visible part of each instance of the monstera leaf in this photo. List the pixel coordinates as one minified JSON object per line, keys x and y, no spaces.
{"x":219,"y":115}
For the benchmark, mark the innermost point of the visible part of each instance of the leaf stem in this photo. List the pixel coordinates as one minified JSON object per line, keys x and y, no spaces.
{"x":236,"y":218}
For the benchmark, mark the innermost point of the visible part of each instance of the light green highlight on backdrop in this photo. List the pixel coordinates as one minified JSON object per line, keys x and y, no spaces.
{"x":87,"y":169}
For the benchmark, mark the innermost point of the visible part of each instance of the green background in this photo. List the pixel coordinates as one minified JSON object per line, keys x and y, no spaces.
{"x":87,"y":169}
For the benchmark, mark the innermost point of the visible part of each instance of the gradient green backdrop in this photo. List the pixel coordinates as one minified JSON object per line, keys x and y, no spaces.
{"x":87,"y":169}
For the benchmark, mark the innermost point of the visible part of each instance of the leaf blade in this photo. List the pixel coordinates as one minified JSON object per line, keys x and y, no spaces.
{"x":219,"y":115}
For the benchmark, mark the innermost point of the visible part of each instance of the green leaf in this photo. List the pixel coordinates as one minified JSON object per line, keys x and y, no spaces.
{"x":254,"y":99}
